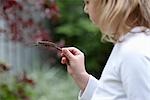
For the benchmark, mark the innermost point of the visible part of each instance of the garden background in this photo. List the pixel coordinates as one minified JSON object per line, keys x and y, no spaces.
{"x":35,"y":73}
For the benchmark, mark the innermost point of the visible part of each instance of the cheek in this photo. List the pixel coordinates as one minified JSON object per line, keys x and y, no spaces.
{"x":94,"y":18}
{"x":93,"y":13}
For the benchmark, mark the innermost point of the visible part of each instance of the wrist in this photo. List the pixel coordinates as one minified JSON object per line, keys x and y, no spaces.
{"x":81,"y":79}
{"x":82,"y":74}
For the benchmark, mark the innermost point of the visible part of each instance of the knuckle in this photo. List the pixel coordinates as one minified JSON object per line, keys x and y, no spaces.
{"x":82,"y":54}
{"x":72,"y":48}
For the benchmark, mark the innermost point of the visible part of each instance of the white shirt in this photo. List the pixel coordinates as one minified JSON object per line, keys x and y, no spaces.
{"x":126,"y":75}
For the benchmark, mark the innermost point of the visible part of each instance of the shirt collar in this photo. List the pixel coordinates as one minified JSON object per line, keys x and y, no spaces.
{"x":137,"y":29}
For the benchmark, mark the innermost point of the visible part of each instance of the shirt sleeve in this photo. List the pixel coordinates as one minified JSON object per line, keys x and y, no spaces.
{"x":89,"y":90}
{"x":135,"y":76}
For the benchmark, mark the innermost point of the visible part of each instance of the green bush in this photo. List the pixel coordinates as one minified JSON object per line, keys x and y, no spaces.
{"x":40,"y":84}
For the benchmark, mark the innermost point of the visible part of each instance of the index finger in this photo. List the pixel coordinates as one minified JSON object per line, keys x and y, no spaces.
{"x":73,"y":50}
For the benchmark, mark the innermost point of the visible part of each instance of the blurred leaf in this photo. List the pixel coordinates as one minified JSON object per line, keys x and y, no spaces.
{"x":68,"y":30}
{"x":49,"y":82}
{"x":85,"y":24}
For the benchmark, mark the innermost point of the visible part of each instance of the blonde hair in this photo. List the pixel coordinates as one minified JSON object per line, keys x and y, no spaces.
{"x":117,"y":17}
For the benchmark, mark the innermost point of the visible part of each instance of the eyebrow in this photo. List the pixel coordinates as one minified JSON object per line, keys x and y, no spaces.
{"x":85,"y":1}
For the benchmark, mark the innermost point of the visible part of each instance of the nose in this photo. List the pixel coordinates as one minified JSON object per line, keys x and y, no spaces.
{"x":85,"y":9}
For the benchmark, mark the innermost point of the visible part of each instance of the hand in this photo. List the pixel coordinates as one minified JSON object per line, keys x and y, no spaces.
{"x":74,"y":59}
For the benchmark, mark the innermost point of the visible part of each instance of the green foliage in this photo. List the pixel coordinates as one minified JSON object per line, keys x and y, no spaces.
{"x":77,"y":30}
{"x":40,"y":84}
{"x":13,"y":89}
{"x":53,"y":84}
{"x":73,"y":20}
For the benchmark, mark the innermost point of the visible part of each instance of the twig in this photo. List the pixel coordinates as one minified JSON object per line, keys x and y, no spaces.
{"x":47,"y":43}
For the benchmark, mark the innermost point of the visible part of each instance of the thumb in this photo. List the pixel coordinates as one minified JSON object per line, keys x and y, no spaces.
{"x":67,"y":53}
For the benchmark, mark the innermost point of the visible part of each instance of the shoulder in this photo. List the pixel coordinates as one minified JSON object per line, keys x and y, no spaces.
{"x":134,"y":51}
{"x":134,"y":61}
{"x":135,"y":44}
{"x":133,"y":55}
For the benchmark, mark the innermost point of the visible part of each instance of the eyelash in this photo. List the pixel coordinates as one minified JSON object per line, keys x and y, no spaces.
{"x":86,"y":2}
